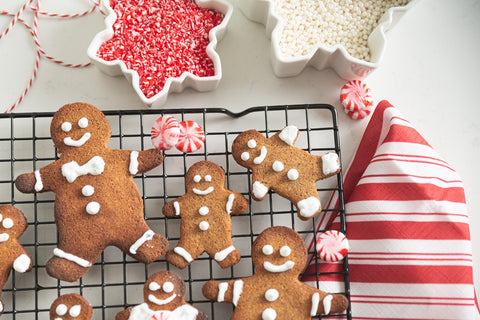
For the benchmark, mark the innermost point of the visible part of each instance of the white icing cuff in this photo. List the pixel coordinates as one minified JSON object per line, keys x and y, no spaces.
{"x":70,"y":257}
{"x":22,"y":263}
{"x":330,"y":163}
{"x":176,"y":206}
{"x":220,"y":256}
{"x":229,"y":205}
{"x":327,"y":304}
{"x":184,"y":253}
{"x":148,"y":235}
{"x":315,"y":301}
{"x":38,"y":181}
{"x":133,"y":168}
{"x":308,"y":207}
{"x":222,"y":288}
{"x":289,"y":134}
{"x":237,"y":291}
{"x":259,"y":190}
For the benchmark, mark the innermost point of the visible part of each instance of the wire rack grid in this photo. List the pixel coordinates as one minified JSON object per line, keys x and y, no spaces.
{"x":116,"y":281}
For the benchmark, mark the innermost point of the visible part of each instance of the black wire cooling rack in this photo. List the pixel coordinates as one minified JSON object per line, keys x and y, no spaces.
{"x":116,"y":281}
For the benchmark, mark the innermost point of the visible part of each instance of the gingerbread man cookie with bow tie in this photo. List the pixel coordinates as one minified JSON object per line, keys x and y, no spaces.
{"x":97,"y":203}
{"x":164,"y":295}
{"x":274,"y":292}
{"x":290,"y":171}
{"x":205,"y":212}
{"x":12,"y":254}
{"x":71,"y":307}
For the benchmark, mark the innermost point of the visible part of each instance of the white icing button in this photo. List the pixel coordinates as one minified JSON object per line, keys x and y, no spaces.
{"x":75,"y":311}
{"x":61,"y":309}
{"x":88,"y":190}
{"x":269,"y":314}
{"x":252,"y":144}
{"x":285,"y":251}
{"x":277,"y":166}
{"x":83,"y":123}
{"x":153,"y":286}
{"x":197,"y":178}
{"x":271,"y":295}
{"x":66,"y":126}
{"x":267,"y":250}
{"x":245,"y":156}
{"x":203,"y":211}
{"x":292,"y":174}
{"x":208,"y":178}
{"x":168,"y":287}
{"x":7,"y":223}
{"x":203,"y":225}
{"x":93,"y":207}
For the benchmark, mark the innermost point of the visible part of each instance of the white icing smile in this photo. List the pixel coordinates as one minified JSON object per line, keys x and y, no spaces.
{"x":161,"y":302}
{"x":262,"y":156}
{"x":77,"y":143}
{"x":270,"y":267}
{"x":203,"y":192}
{"x":4,"y":237}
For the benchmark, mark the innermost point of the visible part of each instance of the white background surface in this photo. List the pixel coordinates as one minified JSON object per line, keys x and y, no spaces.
{"x":429,"y":72}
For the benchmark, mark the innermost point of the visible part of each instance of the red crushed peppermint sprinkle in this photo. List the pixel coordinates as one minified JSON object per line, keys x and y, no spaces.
{"x":161,"y":39}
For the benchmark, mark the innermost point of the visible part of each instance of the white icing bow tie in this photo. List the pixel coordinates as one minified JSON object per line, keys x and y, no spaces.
{"x":72,"y":170}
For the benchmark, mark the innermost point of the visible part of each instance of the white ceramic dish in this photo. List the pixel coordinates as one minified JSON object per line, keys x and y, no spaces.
{"x":321,"y":57}
{"x":178,"y":84}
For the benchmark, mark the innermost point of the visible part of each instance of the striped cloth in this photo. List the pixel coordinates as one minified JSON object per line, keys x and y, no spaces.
{"x":407,"y":225}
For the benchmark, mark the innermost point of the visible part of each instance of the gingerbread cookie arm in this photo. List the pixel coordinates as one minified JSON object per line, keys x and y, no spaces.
{"x":287,"y":135}
{"x":236,"y":203}
{"x":143,"y":161}
{"x":229,"y":291}
{"x":23,"y":261}
{"x":172,"y":209}
{"x":326,"y":303}
{"x":42,"y":180}
{"x":124,"y":314}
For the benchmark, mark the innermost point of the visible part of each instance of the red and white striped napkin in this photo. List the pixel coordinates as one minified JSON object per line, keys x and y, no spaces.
{"x":407,"y":225}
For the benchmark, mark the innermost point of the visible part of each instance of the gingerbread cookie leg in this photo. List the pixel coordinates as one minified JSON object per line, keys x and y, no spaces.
{"x":146,"y":246}
{"x":224,"y":253}
{"x":69,"y":263}
{"x":184,"y":253}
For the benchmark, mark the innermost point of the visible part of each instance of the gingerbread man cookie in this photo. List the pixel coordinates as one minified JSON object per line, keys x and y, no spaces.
{"x":71,"y":307}
{"x":205,"y":212}
{"x":97,"y":203}
{"x":278,"y":165}
{"x":274,"y":292}
{"x":164,"y":295}
{"x":12,"y":253}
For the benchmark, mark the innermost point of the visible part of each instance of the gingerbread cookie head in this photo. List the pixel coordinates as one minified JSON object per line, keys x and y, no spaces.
{"x":250,"y":148}
{"x":71,"y":307}
{"x":164,"y":290}
{"x":79,"y":125}
{"x":12,"y":223}
{"x":279,"y":250}
{"x":204,"y":177}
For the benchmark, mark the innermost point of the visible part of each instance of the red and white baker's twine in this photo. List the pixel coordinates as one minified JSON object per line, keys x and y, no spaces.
{"x":34,"y":6}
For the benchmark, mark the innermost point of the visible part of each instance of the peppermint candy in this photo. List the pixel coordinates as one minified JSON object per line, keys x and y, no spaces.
{"x":192,"y":137}
{"x":165,"y":133}
{"x":356,"y":99}
{"x":332,"y":246}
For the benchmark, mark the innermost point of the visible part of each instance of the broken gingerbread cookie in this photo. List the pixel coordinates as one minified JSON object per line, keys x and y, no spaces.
{"x":164,"y":296}
{"x":97,"y":203}
{"x":290,"y":171}
{"x":205,"y":212}
{"x":279,"y":255}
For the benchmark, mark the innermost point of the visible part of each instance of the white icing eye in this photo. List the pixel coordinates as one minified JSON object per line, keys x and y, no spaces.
{"x":251,"y":144}
{"x":245,"y":156}
{"x":83,"y":123}
{"x":168,"y":287}
{"x":7,"y":223}
{"x":75,"y":311}
{"x":208,"y":178}
{"x":66,"y":126}
{"x":197,"y":178}
{"x":267,"y":250}
{"x":285,"y":251}
{"x":61,"y":309}
{"x":153,"y":286}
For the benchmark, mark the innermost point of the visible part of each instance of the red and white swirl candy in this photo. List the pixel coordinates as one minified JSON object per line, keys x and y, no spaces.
{"x":165,"y":133}
{"x":332,"y":246}
{"x":192,"y":137}
{"x":357,"y":99}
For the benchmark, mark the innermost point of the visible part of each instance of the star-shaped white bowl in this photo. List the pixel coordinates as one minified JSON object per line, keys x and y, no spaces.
{"x":174,"y":84}
{"x":321,"y":56}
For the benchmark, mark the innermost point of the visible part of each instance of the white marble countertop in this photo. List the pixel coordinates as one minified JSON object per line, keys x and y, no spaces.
{"x":429,"y":72}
